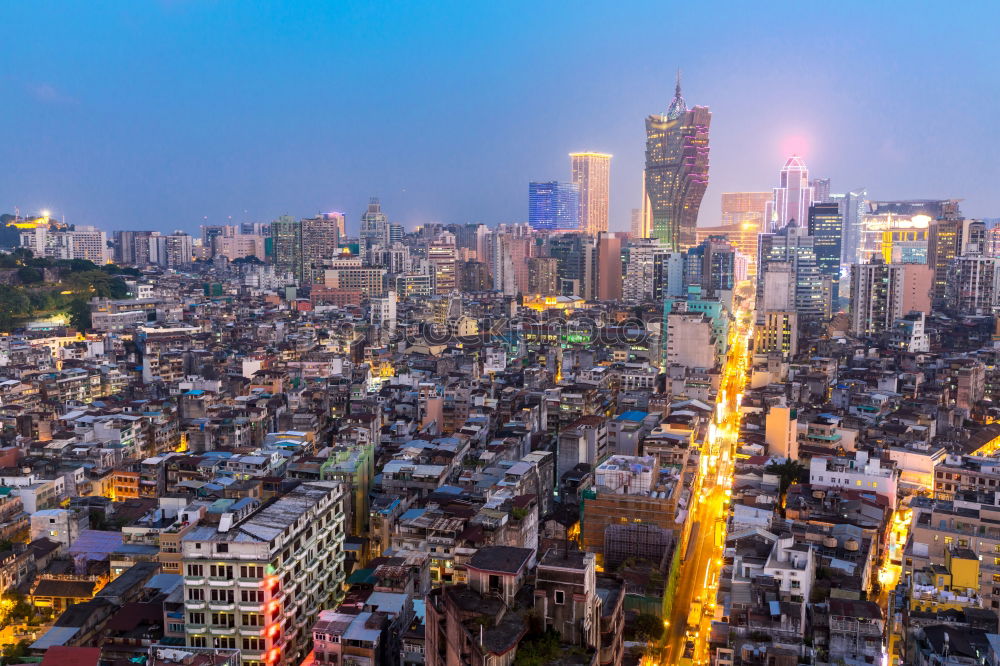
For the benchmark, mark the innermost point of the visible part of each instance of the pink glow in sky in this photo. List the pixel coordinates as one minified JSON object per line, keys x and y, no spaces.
{"x":796,"y":144}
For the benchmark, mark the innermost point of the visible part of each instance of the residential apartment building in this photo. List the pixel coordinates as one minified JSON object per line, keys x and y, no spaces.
{"x":258,"y":584}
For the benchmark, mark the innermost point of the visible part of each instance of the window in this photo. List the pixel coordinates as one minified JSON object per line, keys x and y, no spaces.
{"x":198,"y":641}
{"x":858,"y":482}
{"x":196,"y":594}
{"x":196,"y":570}
{"x":252,"y":596}
{"x":253,"y":644}
{"x":222,"y":595}
{"x":253,"y":619}
{"x":251,"y":571}
{"x":560,"y":597}
{"x":223,"y":619}
{"x":196,"y":618}
{"x":220,"y":571}
{"x":222,"y":547}
{"x":225,"y":643}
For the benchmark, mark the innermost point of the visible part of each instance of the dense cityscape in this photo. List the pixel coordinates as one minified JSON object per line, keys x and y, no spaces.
{"x":758,"y":428}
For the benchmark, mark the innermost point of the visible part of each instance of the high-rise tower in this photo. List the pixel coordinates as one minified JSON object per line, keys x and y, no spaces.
{"x":554,"y":206}
{"x":592,"y":174}
{"x":286,"y":244}
{"x":792,"y":197}
{"x":320,"y":238}
{"x":374,"y":224}
{"x":676,"y":170}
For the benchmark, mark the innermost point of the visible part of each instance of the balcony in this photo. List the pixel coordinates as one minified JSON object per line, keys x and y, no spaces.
{"x":222,"y":631}
{"x":221,"y":582}
{"x":251,"y":607}
{"x":194,"y":581}
{"x":221,"y":605}
{"x":194,"y":605}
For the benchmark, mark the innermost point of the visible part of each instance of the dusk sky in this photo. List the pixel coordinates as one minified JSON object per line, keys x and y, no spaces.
{"x":158,"y":115}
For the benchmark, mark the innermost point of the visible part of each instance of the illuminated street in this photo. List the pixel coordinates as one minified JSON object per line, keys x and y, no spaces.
{"x":699,"y":576}
{"x":891,"y":569}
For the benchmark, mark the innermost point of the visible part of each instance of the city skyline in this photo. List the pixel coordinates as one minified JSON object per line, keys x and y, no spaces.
{"x":120,"y":136}
{"x":292,"y":372}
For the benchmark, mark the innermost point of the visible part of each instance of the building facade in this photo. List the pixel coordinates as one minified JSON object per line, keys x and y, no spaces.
{"x":592,"y":175}
{"x":792,"y":197}
{"x":826,"y":226}
{"x":554,"y":206}
{"x":676,"y":170}
{"x":882,"y":293}
{"x":258,"y":584}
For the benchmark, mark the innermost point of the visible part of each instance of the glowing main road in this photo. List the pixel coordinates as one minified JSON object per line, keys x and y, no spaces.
{"x":699,"y":575}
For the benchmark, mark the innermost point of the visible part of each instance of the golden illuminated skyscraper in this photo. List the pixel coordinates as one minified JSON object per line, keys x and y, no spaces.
{"x":676,"y":170}
{"x":592,"y":173}
{"x":740,"y":207}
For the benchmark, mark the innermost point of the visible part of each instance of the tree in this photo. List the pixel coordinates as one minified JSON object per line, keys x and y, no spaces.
{"x":538,"y":650}
{"x":115,"y":269}
{"x":79,"y":314}
{"x":118,"y":288}
{"x":29,"y":275}
{"x":788,"y":472}
{"x":648,"y":627}
{"x":13,"y":654}
{"x":22,"y":254}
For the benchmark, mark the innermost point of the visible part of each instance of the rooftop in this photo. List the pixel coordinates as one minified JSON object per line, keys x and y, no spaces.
{"x":501,"y":559}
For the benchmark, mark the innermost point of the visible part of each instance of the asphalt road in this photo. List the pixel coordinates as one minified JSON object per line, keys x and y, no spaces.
{"x":705,"y":563}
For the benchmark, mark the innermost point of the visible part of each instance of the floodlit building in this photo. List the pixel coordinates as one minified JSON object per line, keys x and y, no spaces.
{"x":791,"y":198}
{"x":676,"y":170}
{"x":592,"y":175}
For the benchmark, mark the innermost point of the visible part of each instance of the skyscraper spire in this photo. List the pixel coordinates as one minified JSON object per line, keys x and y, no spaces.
{"x":677,"y":107}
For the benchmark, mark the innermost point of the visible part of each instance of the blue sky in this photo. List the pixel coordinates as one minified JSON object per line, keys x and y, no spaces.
{"x":165,"y":115}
